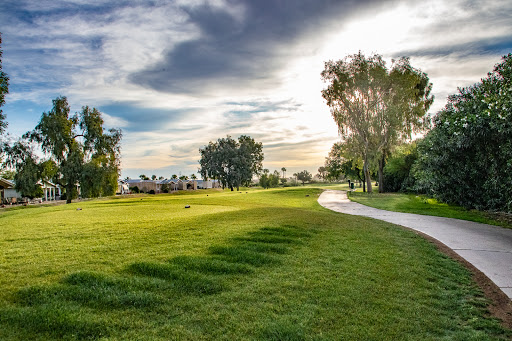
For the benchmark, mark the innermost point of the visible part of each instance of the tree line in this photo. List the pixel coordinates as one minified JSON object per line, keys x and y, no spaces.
{"x":464,"y":158}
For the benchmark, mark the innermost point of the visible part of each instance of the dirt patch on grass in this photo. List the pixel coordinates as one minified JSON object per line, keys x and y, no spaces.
{"x":501,"y":305}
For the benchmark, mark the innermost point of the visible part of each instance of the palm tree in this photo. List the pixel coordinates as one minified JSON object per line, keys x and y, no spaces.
{"x":284,"y":172}
{"x":193,"y":177}
{"x":174,"y":176}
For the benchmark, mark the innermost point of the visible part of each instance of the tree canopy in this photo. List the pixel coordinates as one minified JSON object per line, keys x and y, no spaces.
{"x":20,"y":156}
{"x":304,"y":176}
{"x":233,"y":162}
{"x":82,"y":151}
{"x":340,"y":163}
{"x":374,"y":107}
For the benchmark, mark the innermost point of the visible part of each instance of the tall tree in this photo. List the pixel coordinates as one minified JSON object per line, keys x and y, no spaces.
{"x":84,"y":152}
{"x":322,"y":172}
{"x":283,"y":169}
{"x":233,"y":162}
{"x":375,"y":107}
{"x":4,"y":89}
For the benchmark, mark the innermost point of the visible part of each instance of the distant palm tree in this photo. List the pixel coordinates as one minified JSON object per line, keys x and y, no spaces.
{"x":284,"y":172}
{"x":174,"y":176}
{"x":193,"y":177}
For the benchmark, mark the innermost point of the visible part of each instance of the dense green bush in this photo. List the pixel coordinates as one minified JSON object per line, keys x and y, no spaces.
{"x":467,"y":157}
{"x":398,"y":172}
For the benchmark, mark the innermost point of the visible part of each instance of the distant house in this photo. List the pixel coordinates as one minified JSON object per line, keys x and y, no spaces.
{"x":51,"y":191}
{"x":8,"y":194}
{"x":172,"y":185}
{"x":156,"y":185}
{"x":206,"y":184}
{"x":123,"y":187}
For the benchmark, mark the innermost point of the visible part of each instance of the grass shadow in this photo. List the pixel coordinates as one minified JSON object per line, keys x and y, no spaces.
{"x":75,"y":307}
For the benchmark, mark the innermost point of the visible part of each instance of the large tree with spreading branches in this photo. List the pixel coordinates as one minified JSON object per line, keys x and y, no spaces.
{"x":233,"y":162}
{"x":83,"y":151}
{"x":374,"y":107}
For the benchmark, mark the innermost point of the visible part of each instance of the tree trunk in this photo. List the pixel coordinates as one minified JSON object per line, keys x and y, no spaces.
{"x":69,"y":194}
{"x":367,"y":177}
{"x":381,"y":174}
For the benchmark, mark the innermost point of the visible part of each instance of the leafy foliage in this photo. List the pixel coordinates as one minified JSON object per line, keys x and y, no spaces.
{"x":269,"y":180}
{"x":340,"y":163}
{"x":80,"y":149}
{"x":399,"y":169}
{"x":374,"y":107}
{"x":304,"y":176}
{"x":232,"y":162}
{"x":20,"y":156}
{"x":467,"y":158}
{"x":27,"y":178}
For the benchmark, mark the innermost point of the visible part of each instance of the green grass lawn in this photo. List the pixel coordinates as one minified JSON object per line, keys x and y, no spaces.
{"x":419,"y":204}
{"x":250,"y":265}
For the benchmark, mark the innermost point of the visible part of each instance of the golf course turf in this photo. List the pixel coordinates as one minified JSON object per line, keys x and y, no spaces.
{"x":256,"y":264}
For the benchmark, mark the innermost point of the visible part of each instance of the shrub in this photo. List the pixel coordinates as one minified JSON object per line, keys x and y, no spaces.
{"x":467,"y":158}
{"x":398,"y":172}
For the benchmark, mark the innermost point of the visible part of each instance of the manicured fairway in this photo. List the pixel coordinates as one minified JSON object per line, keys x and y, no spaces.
{"x":253,"y":265}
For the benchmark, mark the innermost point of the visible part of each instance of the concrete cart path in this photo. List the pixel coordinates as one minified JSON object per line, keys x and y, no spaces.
{"x":487,"y":247}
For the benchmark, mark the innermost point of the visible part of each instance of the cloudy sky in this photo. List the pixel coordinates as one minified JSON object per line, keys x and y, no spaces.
{"x":174,"y":75}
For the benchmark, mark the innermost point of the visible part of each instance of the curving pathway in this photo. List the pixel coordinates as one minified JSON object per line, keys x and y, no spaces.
{"x":487,"y":247}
